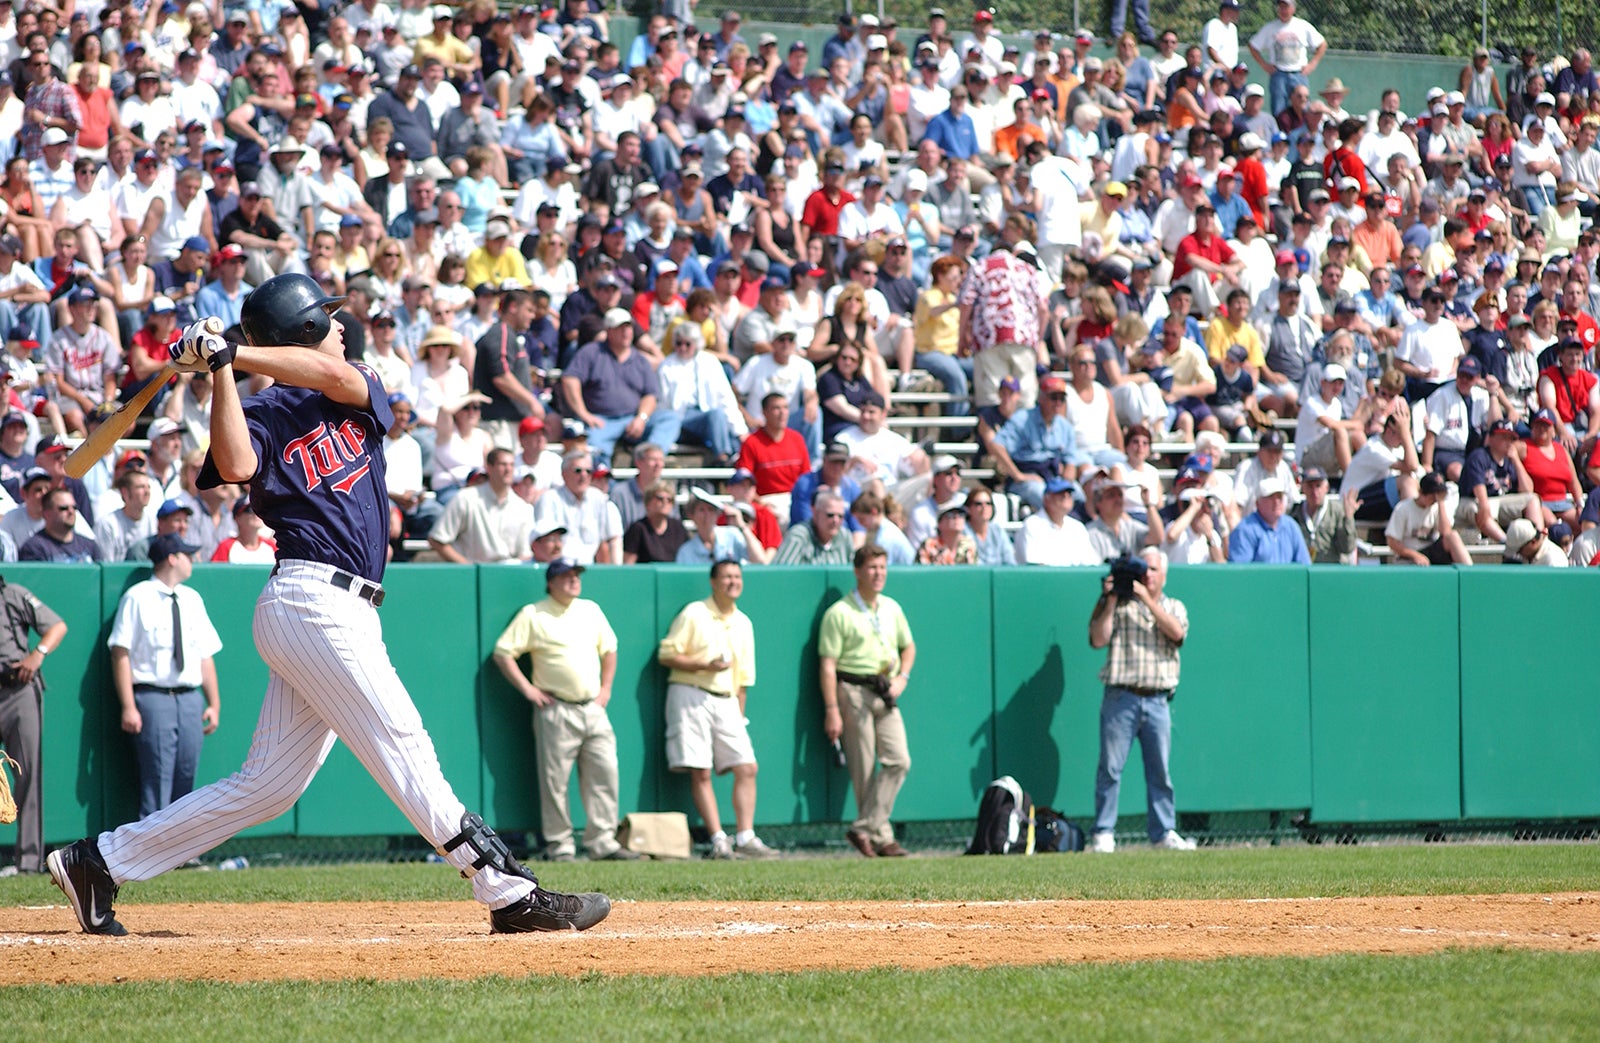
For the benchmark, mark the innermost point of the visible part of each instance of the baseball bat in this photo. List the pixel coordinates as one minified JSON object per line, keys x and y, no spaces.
{"x":103,"y":438}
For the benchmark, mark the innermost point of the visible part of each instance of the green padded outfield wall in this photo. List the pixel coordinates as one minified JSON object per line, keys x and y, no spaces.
{"x":1366,"y":695}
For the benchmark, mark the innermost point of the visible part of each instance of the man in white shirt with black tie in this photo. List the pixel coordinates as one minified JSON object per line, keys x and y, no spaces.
{"x":162,"y":643}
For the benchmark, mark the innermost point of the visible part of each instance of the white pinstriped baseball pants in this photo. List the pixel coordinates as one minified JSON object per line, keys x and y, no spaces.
{"x":330,"y":679}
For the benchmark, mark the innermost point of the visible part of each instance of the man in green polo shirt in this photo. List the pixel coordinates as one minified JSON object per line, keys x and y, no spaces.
{"x":867,"y":654}
{"x":821,"y":541}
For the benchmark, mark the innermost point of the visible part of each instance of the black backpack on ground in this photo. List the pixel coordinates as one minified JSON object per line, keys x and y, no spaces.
{"x":1005,"y":820}
{"x":1010,"y":824}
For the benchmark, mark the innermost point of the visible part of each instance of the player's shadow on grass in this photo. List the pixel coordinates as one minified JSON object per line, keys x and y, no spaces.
{"x":1019,"y":741}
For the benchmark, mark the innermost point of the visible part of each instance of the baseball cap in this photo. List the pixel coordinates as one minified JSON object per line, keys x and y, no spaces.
{"x":1333,"y":371}
{"x":1237,"y":353}
{"x":1519,"y":534}
{"x":34,"y":474}
{"x":945,"y":462}
{"x":171,"y":507}
{"x":1469,"y":367}
{"x":1271,"y":438}
{"x":196,"y":243}
{"x":1053,"y":486}
{"x":83,"y":295}
{"x":164,"y":547}
{"x":1271,"y":485}
{"x":742,"y":474}
{"x":51,"y":444}
{"x":560,"y":567}
{"x":1313,"y":474}
{"x":836,"y":451}
{"x":1502,"y":427}
{"x":1544,"y":416}
{"x":1431,"y":483}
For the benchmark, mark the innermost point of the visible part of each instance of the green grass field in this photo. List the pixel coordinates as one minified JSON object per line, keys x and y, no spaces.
{"x":1479,"y":994}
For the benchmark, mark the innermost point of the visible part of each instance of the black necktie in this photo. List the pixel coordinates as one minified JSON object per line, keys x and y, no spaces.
{"x":177,"y":635}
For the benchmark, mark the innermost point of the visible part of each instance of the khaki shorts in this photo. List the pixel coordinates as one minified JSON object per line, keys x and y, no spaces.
{"x":705,"y":731}
{"x":1505,"y":509}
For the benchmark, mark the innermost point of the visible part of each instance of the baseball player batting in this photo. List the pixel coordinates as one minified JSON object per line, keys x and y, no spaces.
{"x":310,"y":448}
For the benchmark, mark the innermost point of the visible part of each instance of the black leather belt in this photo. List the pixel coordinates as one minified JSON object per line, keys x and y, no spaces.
{"x":867,"y":680}
{"x":708,"y":691}
{"x":166,"y":690}
{"x":1145,"y":692}
{"x":363,"y":589}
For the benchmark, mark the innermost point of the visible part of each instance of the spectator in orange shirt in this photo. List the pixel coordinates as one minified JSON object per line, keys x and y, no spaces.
{"x":1377,"y":235}
{"x":1010,"y":140}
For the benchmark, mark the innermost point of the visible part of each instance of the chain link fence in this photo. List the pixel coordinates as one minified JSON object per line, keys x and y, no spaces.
{"x":824,"y":840}
{"x":1384,"y":26}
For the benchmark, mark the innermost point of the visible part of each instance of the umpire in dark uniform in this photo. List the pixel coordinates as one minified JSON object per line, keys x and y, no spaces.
{"x":20,"y":688}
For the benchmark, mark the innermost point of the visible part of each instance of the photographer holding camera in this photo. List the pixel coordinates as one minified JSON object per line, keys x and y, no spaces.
{"x":1144,"y":630}
{"x":20,"y":691}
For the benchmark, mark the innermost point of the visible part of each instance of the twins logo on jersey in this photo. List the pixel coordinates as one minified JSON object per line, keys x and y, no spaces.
{"x":327,"y":451}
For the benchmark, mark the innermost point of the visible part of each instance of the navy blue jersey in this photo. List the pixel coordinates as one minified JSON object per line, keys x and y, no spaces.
{"x":320,"y":480}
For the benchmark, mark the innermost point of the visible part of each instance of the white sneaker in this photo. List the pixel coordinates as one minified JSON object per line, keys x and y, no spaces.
{"x":722,"y":847}
{"x":1102,"y":843}
{"x":1171,"y":841}
{"x":754,"y":848}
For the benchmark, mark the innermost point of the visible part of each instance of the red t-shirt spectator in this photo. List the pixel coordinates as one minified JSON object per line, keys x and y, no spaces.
{"x":1215,"y":249}
{"x":1588,"y":331}
{"x":1254,"y":189}
{"x":777,"y":465}
{"x":821,"y":214}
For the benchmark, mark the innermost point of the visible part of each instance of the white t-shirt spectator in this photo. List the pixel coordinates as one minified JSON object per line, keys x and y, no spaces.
{"x":762,"y":376}
{"x":1041,"y":542}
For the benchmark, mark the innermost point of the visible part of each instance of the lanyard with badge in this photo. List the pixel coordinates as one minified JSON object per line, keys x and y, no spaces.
{"x":879,"y":627}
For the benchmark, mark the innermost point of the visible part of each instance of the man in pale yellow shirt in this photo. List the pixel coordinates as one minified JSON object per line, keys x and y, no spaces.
{"x":710,"y":652}
{"x":574,"y":655}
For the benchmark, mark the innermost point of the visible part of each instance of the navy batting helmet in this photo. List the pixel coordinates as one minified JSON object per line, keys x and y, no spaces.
{"x":287,"y":309}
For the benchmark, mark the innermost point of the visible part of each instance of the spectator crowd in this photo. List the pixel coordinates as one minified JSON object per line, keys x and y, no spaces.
{"x":1372,"y":334}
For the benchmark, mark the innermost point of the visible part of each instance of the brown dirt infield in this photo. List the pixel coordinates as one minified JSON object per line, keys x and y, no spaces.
{"x":398,"y":940}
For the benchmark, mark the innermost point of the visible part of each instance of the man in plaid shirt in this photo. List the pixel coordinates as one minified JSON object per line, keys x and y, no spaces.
{"x":50,"y":103}
{"x":1144,"y":635}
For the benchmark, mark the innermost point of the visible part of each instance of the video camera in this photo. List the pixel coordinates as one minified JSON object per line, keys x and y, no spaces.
{"x":1126,"y":569}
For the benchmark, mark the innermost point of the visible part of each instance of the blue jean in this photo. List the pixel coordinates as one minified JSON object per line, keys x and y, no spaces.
{"x":811,"y":431}
{"x":660,"y":156}
{"x":1141,"y":19}
{"x":710,"y":428}
{"x":1030,"y":493}
{"x":953,"y":372}
{"x":1281,"y":85}
{"x":1537,"y":197}
{"x":662,"y":428}
{"x":1124,"y":715}
{"x":168,"y":745}
{"x":29,"y":322}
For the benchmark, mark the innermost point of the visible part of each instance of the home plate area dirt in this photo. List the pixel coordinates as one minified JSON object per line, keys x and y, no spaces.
{"x":394,"y":940}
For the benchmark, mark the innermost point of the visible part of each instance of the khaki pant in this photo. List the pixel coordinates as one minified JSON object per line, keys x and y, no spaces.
{"x":568,"y":734}
{"x":1506,"y":509}
{"x":994,"y":364}
{"x":874,"y":736}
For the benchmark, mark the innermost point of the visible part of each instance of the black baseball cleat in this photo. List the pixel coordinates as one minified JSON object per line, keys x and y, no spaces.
{"x":543,"y":910}
{"x":82,"y":874}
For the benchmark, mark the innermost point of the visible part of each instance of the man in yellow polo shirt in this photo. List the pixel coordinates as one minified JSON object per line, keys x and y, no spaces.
{"x":495,"y":262}
{"x":1232,"y":326}
{"x":710,"y":652}
{"x":574,"y":654}
{"x":866,"y":658}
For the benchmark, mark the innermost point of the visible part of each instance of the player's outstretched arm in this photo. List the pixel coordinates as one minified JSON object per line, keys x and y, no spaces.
{"x":307,"y":368}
